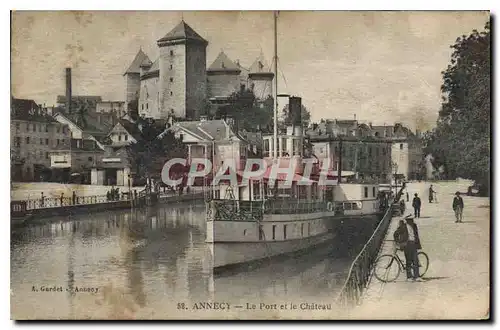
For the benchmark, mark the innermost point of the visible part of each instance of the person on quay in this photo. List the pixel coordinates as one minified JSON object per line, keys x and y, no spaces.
{"x":408,"y":239}
{"x":417,"y":203}
{"x":431,"y":194}
{"x":458,"y":207}
{"x":407,"y":196}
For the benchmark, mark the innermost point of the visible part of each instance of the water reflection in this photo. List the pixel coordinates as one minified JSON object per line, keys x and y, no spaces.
{"x":144,"y":260}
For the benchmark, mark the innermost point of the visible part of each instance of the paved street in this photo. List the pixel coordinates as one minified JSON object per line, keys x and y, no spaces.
{"x":457,"y":282}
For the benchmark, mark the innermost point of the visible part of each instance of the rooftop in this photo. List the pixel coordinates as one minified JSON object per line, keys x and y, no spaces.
{"x":223,"y":64}
{"x":139,"y":59}
{"x":182,"y":32}
{"x":26,"y":109}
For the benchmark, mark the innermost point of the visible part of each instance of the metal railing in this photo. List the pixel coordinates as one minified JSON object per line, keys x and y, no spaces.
{"x":360,"y":270}
{"x":51,"y":202}
{"x":235,"y":210}
{"x":293,"y":206}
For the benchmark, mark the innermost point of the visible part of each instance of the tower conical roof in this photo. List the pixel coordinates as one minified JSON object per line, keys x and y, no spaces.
{"x":260,"y":65}
{"x":223,"y":63}
{"x":182,"y":32}
{"x":135,"y":66}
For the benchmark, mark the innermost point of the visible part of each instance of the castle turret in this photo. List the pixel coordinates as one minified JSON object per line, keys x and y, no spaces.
{"x":133,"y":78}
{"x":223,"y":77}
{"x":183,"y":79}
{"x":261,"y":78}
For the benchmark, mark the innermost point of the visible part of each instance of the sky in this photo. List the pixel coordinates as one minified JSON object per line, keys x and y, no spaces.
{"x":382,"y":67}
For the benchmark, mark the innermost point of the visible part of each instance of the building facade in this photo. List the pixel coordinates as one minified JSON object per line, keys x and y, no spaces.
{"x":406,"y":151}
{"x":115,"y":107}
{"x":34,"y":134}
{"x":364,"y":155}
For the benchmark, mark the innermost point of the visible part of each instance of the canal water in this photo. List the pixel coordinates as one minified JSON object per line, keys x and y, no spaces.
{"x":154,"y":264}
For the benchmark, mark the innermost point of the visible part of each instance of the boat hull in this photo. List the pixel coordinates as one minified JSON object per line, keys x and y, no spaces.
{"x":233,"y":255}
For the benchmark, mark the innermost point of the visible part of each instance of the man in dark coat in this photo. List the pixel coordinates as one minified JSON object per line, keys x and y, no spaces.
{"x":408,"y":239}
{"x":431,"y":194}
{"x":417,"y":203}
{"x":458,"y":207}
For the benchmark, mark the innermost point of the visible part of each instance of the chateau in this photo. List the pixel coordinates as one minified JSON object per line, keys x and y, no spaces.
{"x":179,"y":84}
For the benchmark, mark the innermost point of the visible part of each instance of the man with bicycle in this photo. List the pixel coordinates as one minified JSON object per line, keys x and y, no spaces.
{"x":406,"y":236}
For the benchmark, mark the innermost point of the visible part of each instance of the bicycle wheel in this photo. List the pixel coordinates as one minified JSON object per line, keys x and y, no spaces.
{"x":386,"y":268}
{"x":423,"y":263}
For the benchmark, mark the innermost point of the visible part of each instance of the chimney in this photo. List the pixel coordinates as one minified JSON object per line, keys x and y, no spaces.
{"x":68,"y":90}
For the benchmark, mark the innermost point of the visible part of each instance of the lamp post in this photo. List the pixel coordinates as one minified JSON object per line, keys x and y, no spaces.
{"x":394,"y":166}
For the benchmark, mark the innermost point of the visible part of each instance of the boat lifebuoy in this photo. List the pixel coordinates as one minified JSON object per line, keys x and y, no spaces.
{"x":329,"y":206}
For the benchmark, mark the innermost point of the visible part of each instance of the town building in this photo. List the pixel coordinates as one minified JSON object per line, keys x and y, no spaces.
{"x":406,"y":151}
{"x":364,"y":155}
{"x":88,"y":101}
{"x":89,"y":138}
{"x":34,"y":134}
{"x":114,"y":107}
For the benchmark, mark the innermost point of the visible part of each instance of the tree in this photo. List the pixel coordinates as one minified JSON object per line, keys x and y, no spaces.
{"x":248,"y":112}
{"x":304,"y":114}
{"x":152,"y":150}
{"x":461,"y":140}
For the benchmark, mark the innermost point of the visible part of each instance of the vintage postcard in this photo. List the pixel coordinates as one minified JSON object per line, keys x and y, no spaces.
{"x":236,"y":165}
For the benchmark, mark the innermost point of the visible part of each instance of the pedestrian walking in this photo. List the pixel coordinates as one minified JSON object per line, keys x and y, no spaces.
{"x":431,"y":194}
{"x":407,"y":197}
{"x":458,"y":207}
{"x":417,"y":203}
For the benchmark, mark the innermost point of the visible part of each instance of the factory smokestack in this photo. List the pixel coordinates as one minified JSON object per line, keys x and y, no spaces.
{"x":68,"y":90}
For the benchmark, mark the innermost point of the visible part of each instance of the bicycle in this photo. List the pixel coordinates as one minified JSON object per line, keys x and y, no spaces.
{"x":388,"y":264}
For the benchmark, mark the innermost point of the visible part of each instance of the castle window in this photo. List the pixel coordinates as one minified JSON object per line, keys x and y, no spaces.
{"x":119,"y":137}
{"x":401,"y":146}
{"x":147,"y":106}
{"x":171,"y":79}
{"x":171,"y":67}
{"x":27,"y":140}
{"x":171,"y":93}
{"x":126,"y":137}
{"x":171,"y":53}
{"x":142,"y":106}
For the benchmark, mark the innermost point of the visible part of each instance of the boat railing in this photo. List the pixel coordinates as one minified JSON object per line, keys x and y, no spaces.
{"x":293,"y":206}
{"x":229,"y":210}
{"x":234,"y":210}
{"x":360,"y":270}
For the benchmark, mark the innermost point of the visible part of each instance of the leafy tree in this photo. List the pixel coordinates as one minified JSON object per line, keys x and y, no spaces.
{"x":304,"y":114}
{"x":461,"y":140}
{"x":133,"y":109}
{"x":153,"y":150}
{"x":248,"y":112}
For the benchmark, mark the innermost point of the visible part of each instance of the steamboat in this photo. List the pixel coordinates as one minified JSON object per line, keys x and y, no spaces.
{"x":264,"y":218}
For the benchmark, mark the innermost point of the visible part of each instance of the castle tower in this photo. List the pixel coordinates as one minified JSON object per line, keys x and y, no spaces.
{"x":133,"y":78}
{"x":261,"y":79}
{"x":183,"y":79}
{"x":223,"y":77}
